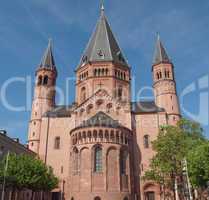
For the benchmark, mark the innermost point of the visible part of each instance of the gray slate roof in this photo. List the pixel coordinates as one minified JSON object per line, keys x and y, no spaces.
{"x":100,"y":119}
{"x":48,"y":58}
{"x":59,"y":112}
{"x":103,"y":45}
{"x":160,"y":55}
{"x":146,"y":107}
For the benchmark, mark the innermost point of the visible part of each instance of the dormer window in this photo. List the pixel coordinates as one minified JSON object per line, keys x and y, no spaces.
{"x":100,"y":54}
{"x":84,"y":59}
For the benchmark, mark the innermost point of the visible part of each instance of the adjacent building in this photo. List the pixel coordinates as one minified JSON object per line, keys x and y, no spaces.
{"x":100,"y":146}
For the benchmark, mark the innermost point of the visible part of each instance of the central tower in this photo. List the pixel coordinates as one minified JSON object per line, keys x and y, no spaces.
{"x":102,"y":65}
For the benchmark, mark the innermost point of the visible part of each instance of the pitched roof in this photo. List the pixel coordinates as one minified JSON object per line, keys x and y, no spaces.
{"x":60,"y":112}
{"x":48,"y":58}
{"x":145,"y":107}
{"x":103,"y":45}
{"x":160,"y":55}
{"x":100,"y":119}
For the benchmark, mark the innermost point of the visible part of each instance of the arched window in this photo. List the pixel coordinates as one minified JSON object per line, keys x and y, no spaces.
{"x":75,"y":160}
{"x":99,"y":72}
{"x":45,"y":82}
{"x":123,"y":161}
{"x":83,"y":94}
{"x":106,"y":72}
{"x":57,"y":143}
{"x":160,"y":74}
{"x":103,"y":71}
{"x":97,"y":198}
{"x":39,"y":80}
{"x":146,"y":141}
{"x":126,"y":198}
{"x":72,"y":198}
{"x":98,"y":159}
{"x":95,"y":72}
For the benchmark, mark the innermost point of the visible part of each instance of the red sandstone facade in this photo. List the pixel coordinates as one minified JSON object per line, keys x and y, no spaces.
{"x":100,"y":146}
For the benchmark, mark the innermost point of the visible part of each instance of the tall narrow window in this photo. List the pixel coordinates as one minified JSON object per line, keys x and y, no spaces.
{"x":39,"y":80}
{"x":146,"y":141}
{"x":123,"y":161}
{"x":120,"y":92}
{"x":83,"y":94}
{"x":75,"y":160}
{"x":45,"y":82}
{"x":98,"y":159}
{"x":57,"y":143}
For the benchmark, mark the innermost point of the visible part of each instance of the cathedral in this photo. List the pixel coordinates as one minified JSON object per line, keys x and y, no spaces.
{"x":100,"y":146}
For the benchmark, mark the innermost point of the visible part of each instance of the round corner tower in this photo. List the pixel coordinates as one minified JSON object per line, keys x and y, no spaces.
{"x":164,"y":84}
{"x":44,"y":96}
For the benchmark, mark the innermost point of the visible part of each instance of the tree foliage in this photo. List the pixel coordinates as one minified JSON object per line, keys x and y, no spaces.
{"x":172,"y":146}
{"x":27,"y":172}
{"x":198,"y":164}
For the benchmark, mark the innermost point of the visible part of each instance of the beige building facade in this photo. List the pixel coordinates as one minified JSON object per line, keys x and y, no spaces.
{"x":100,"y":146}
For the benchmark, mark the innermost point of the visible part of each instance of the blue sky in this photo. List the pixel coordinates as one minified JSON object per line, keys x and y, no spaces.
{"x":25,"y":27}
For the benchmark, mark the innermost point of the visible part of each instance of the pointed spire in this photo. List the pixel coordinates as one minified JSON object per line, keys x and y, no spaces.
{"x":160,"y":55}
{"x":48,"y":58}
{"x":102,"y":6}
{"x":103,"y":45}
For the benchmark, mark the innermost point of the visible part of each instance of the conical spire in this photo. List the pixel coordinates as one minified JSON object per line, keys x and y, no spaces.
{"x":48,"y":58}
{"x":160,"y":55}
{"x":102,"y":45}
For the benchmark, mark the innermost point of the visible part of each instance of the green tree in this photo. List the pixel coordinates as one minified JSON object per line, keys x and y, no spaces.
{"x":26,"y":172}
{"x":198,"y":165}
{"x":172,"y":146}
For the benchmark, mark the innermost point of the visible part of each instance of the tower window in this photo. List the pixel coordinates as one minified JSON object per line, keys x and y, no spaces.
{"x":57,"y":143}
{"x":98,"y":159}
{"x":146,"y":141}
{"x":39,"y":80}
{"x":83,"y":94}
{"x":45,"y":82}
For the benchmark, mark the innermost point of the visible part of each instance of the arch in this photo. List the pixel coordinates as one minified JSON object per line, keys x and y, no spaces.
{"x":45,"y":81}
{"x":97,"y":158}
{"x":146,"y":141}
{"x":126,"y":198}
{"x":39,"y":80}
{"x":72,"y":198}
{"x":97,"y":198}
